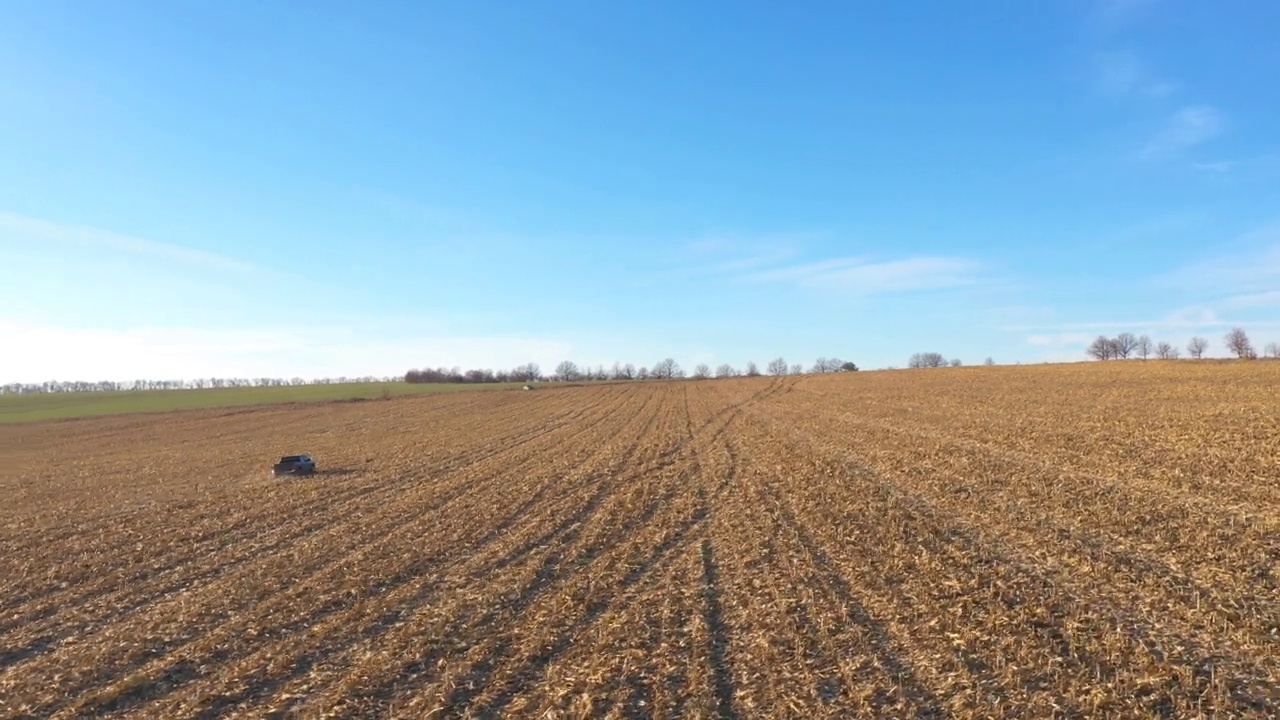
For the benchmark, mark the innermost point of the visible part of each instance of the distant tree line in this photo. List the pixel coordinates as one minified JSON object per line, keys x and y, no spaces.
{"x":1127,"y":345}
{"x":665,"y":369}
{"x":936,"y":360}
{"x":56,"y":386}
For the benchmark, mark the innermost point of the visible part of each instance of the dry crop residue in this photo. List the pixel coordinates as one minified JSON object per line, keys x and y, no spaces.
{"x":1075,"y":541}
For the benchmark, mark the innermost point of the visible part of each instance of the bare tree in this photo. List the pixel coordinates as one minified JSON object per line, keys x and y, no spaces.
{"x":616,"y":372}
{"x":629,"y":371}
{"x":567,"y":370}
{"x":642,"y":373}
{"x":1197,"y":346}
{"x":989,"y":362}
{"x":1273,"y":350}
{"x":955,"y":362}
{"x":726,"y":370}
{"x":667,"y":370}
{"x":1101,"y":348}
{"x":1237,"y":341}
{"x":1143,"y":347}
{"x":797,"y":369}
{"x":826,"y":365}
{"x":526,"y":373}
{"x":1165,"y":351}
{"x":926,"y":360}
{"x":1124,"y":344}
{"x":752,"y":370}
{"x":777,"y":366}
{"x":701,"y":372}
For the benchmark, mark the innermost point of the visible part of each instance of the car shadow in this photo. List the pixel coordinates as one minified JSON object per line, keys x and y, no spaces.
{"x":336,"y":473}
{"x":325,"y":474}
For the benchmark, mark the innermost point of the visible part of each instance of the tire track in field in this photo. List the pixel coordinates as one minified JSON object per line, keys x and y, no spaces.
{"x":654,"y":554}
{"x":401,"y":511}
{"x":1135,"y":580}
{"x":530,"y":671}
{"x":374,"y":622}
{"x":128,"y":587}
{"x":112,"y":551}
{"x":784,"y":582}
{"x":548,"y":574}
{"x":1058,"y":595}
{"x":472,"y":453}
{"x":78,"y":527}
{"x":544,"y":565}
{"x":532,"y":428}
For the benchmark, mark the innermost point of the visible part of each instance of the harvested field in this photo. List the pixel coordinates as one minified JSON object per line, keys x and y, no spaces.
{"x":1065,"y":541}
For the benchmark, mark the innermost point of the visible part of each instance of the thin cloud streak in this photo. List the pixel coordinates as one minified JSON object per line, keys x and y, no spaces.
{"x":1222,"y":167}
{"x":1238,"y":274}
{"x":1191,"y":126}
{"x":1110,"y":16}
{"x":859,"y":275}
{"x":88,"y":237}
{"x":1123,"y":73}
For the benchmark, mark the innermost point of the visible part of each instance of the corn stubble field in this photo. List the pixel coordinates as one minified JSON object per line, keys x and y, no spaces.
{"x":1071,"y":541}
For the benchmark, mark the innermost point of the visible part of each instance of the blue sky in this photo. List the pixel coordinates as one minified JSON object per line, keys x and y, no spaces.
{"x":331,"y":188}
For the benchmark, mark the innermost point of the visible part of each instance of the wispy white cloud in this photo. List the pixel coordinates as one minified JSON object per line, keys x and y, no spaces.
{"x":723,"y":256}
{"x":1250,"y":300}
{"x":1222,"y":167}
{"x":1251,"y":271}
{"x":865,"y":277}
{"x":1055,"y":339}
{"x":19,"y":227}
{"x":1175,"y":321}
{"x":1185,"y":129}
{"x":729,"y":252}
{"x":1111,"y":16}
{"x":1124,"y":73}
{"x":1229,"y":290}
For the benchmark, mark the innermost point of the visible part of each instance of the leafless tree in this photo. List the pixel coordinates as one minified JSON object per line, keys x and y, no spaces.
{"x":989,"y":362}
{"x":701,"y":372}
{"x":927,"y":360}
{"x":826,"y":365}
{"x":1143,"y":347}
{"x":955,"y":362}
{"x":777,"y":366}
{"x":527,"y":372}
{"x":1101,"y":348}
{"x":1124,"y":344}
{"x":1238,"y":342}
{"x":642,"y":373}
{"x":1273,"y":350}
{"x":567,"y":370}
{"x":752,"y":370}
{"x":797,"y":369}
{"x":1165,"y":351}
{"x":667,"y":370}
{"x":1197,"y":346}
{"x":726,"y":370}
{"x":629,"y":371}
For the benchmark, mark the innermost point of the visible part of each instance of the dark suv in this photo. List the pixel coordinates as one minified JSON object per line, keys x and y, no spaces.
{"x":294,"y":465}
